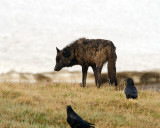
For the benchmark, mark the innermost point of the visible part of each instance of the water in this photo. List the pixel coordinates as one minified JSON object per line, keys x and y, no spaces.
{"x":152,"y":87}
{"x":30,"y":31}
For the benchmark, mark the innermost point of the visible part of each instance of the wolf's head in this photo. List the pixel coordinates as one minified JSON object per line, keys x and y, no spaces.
{"x":64,"y":58}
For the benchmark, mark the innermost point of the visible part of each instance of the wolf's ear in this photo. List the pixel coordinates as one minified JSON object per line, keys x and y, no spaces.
{"x":57,"y":50}
{"x":66,"y":53}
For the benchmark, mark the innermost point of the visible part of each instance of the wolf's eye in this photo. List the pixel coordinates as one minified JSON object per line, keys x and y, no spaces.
{"x":66,"y":53}
{"x":58,"y":59}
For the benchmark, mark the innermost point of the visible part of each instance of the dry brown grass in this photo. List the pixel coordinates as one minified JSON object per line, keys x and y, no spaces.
{"x":44,"y":105}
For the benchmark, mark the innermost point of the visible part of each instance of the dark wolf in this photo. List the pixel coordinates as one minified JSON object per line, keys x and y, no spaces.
{"x":130,"y":90}
{"x":75,"y":121}
{"x":89,"y":52}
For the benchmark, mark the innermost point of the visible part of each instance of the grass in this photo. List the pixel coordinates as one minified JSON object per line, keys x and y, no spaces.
{"x":43,"y":105}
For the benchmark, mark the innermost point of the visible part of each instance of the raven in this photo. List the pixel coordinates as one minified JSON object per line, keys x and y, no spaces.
{"x":75,"y":121}
{"x":130,"y":90}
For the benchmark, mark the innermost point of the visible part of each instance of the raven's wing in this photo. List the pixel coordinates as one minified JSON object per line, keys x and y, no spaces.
{"x":131,"y":91}
{"x":75,"y":121}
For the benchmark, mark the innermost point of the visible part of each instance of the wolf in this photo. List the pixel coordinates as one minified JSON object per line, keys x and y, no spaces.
{"x":89,"y":52}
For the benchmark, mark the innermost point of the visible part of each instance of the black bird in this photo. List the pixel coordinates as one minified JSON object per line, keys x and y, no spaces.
{"x":130,"y":90}
{"x":75,"y":121}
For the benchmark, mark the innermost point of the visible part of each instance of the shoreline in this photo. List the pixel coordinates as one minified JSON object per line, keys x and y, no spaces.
{"x":143,"y":80}
{"x":140,"y":78}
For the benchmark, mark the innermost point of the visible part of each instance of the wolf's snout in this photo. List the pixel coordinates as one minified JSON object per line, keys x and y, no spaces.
{"x":57,"y":68}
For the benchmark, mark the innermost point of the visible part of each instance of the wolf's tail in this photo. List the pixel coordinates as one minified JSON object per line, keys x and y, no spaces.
{"x":112,"y":57}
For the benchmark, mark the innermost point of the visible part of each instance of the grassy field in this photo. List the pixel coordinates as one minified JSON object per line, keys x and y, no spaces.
{"x":43,"y":105}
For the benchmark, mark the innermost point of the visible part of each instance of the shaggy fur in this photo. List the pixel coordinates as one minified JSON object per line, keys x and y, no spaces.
{"x":130,"y":90}
{"x":89,"y":52}
{"x":75,"y":121}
